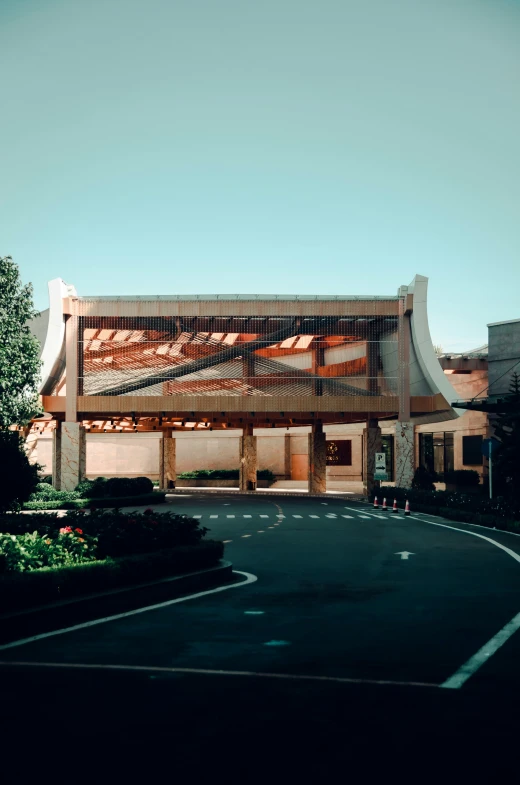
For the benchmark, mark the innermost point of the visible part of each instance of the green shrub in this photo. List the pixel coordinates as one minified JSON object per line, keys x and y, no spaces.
{"x":423,"y":479}
{"x":28,"y":589}
{"x":142,"y":486}
{"x":210,"y":474}
{"x":463,"y":477}
{"x":155,"y":497}
{"x":19,"y":476}
{"x":117,"y":533}
{"x":45,"y":492}
{"x":47,"y":479}
{"x":24,"y":552}
{"x":266,"y":474}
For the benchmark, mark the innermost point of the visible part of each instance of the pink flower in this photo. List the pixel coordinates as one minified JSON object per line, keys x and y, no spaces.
{"x":66,"y":530}
{"x":79,"y":531}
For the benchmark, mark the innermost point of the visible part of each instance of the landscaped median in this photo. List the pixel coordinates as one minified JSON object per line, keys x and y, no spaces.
{"x":45,"y":559}
{"x":115,"y":492}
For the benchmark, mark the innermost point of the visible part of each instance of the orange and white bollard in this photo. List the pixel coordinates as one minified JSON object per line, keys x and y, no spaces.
{"x":376,"y":503}
{"x":384,"y":507}
{"x":407,"y":508}
{"x":394,"y":508}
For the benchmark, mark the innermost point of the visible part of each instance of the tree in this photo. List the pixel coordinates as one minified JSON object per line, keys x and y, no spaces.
{"x":19,"y":349}
{"x":506,"y":460}
{"x":19,"y":477}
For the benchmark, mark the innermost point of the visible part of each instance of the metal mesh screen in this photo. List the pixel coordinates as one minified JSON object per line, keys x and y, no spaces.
{"x":238,"y":355}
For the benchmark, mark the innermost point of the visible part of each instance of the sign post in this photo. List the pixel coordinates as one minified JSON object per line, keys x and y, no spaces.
{"x":488,"y":447}
{"x":380,"y":469}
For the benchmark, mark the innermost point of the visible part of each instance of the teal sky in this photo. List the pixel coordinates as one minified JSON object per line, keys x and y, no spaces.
{"x":281,"y":146}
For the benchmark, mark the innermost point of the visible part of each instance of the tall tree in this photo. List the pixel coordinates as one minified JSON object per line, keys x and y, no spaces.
{"x":506,"y":462}
{"x":19,"y":349}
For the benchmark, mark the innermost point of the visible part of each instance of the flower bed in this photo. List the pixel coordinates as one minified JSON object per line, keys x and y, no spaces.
{"x":21,"y":590}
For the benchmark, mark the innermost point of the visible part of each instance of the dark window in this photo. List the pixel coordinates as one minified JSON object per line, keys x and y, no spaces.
{"x":387,"y":442}
{"x":426,"y":450}
{"x":449,"y":451}
{"x":472,"y":450}
{"x":438,"y":452}
{"x":339,"y":452}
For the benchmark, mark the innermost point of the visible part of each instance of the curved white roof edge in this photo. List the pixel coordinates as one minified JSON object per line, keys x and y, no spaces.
{"x":422,"y":341}
{"x":53,"y":354}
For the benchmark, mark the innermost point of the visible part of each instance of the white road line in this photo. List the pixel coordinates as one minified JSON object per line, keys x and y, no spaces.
{"x":297,"y":516}
{"x":364,"y":516}
{"x":346,"y":516}
{"x":247,"y":516}
{"x":196,"y":516}
{"x":280,"y":515}
{"x":208,"y":672}
{"x":264,"y":516}
{"x":261,"y":531}
{"x":230,"y":516}
{"x":213,"y":516}
{"x":245,"y":535}
{"x":331,"y":515}
{"x":461,"y":676}
{"x":270,"y":527}
{"x":477,"y":660}
{"x":227,"y":540}
{"x":250,"y":578}
{"x":314,"y":516}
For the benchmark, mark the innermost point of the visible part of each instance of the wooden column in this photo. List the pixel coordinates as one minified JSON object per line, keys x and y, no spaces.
{"x":317,"y":481}
{"x":248,"y":459}
{"x":167,"y":460}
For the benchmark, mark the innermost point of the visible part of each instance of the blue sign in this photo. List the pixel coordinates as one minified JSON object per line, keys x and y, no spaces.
{"x":489,"y":446}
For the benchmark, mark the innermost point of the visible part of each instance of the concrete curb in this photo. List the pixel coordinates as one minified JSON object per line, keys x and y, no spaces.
{"x":75,"y":610}
{"x":266,"y":494}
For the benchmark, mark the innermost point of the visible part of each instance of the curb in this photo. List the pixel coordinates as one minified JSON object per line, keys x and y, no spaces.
{"x":266,"y":494}
{"x":45,"y":618}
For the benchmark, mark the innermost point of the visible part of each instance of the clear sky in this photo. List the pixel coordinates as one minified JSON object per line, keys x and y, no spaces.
{"x":266,"y":146}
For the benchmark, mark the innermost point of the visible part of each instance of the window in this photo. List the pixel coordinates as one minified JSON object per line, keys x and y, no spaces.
{"x":339,"y":452}
{"x":387,"y":444}
{"x":472,"y":450}
{"x":436,"y":451}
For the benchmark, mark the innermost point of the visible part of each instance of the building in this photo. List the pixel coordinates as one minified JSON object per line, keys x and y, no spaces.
{"x":309,"y":387}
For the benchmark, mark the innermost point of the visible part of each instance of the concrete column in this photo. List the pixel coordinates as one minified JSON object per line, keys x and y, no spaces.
{"x":167,"y":460}
{"x":317,"y":482}
{"x":72,"y":455}
{"x":404,"y":454}
{"x":287,"y":456}
{"x":371,"y":445}
{"x":56,"y":456}
{"x":248,"y":460}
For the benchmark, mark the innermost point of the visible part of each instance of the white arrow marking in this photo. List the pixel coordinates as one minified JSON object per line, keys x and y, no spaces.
{"x":404,"y":554}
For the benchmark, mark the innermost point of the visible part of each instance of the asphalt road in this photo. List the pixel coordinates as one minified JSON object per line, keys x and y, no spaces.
{"x":360,"y":639}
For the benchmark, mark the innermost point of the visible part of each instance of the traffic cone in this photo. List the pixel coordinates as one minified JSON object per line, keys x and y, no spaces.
{"x":384,"y":507}
{"x":407,"y":508}
{"x":376,"y":504}
{"x":394,"y":508}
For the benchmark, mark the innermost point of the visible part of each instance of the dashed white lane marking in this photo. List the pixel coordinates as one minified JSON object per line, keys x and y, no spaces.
{"x":297,"y":516}
{"x":331,"y":515}
{"x":261,"y":531}
{"x":197,"y":516}
{"x":347,"y":516}
{"x":473,"y":664}
{"x":248,"y":516}
{"x":245,"y":535}
{"x":314,"y":516}
{"x":280,"y":515}
{"x":213,"y":516}
{"x":270,"y":527}
{"x":227,"y":540}
{"x":264,"y":516}
{"x":250,"y":578}
{"x":364,"y":516}
{"x":230,"y":516}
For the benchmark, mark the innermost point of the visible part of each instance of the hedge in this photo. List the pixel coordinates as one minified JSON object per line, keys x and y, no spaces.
{"x":223,"y":474}
{"x":19,"y":590}
{"x":466,"y":508}
{"x":156,"y":497}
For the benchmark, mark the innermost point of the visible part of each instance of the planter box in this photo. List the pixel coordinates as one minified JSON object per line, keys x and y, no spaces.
{"x":215,"y":484}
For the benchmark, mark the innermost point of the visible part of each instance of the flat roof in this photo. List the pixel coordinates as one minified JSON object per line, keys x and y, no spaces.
{"x":507,"y":321}
{"x":232,"y":297}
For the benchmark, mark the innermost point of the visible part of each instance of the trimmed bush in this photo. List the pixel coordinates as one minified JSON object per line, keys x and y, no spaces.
{"x":156,"y":497}
{"x":25,"y":590}
{"x":423,"y":479}
{"x":19,"y":476}
{"x":118,"y":533}
{"x":467,"y":478}
{"x":223,"y":474}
